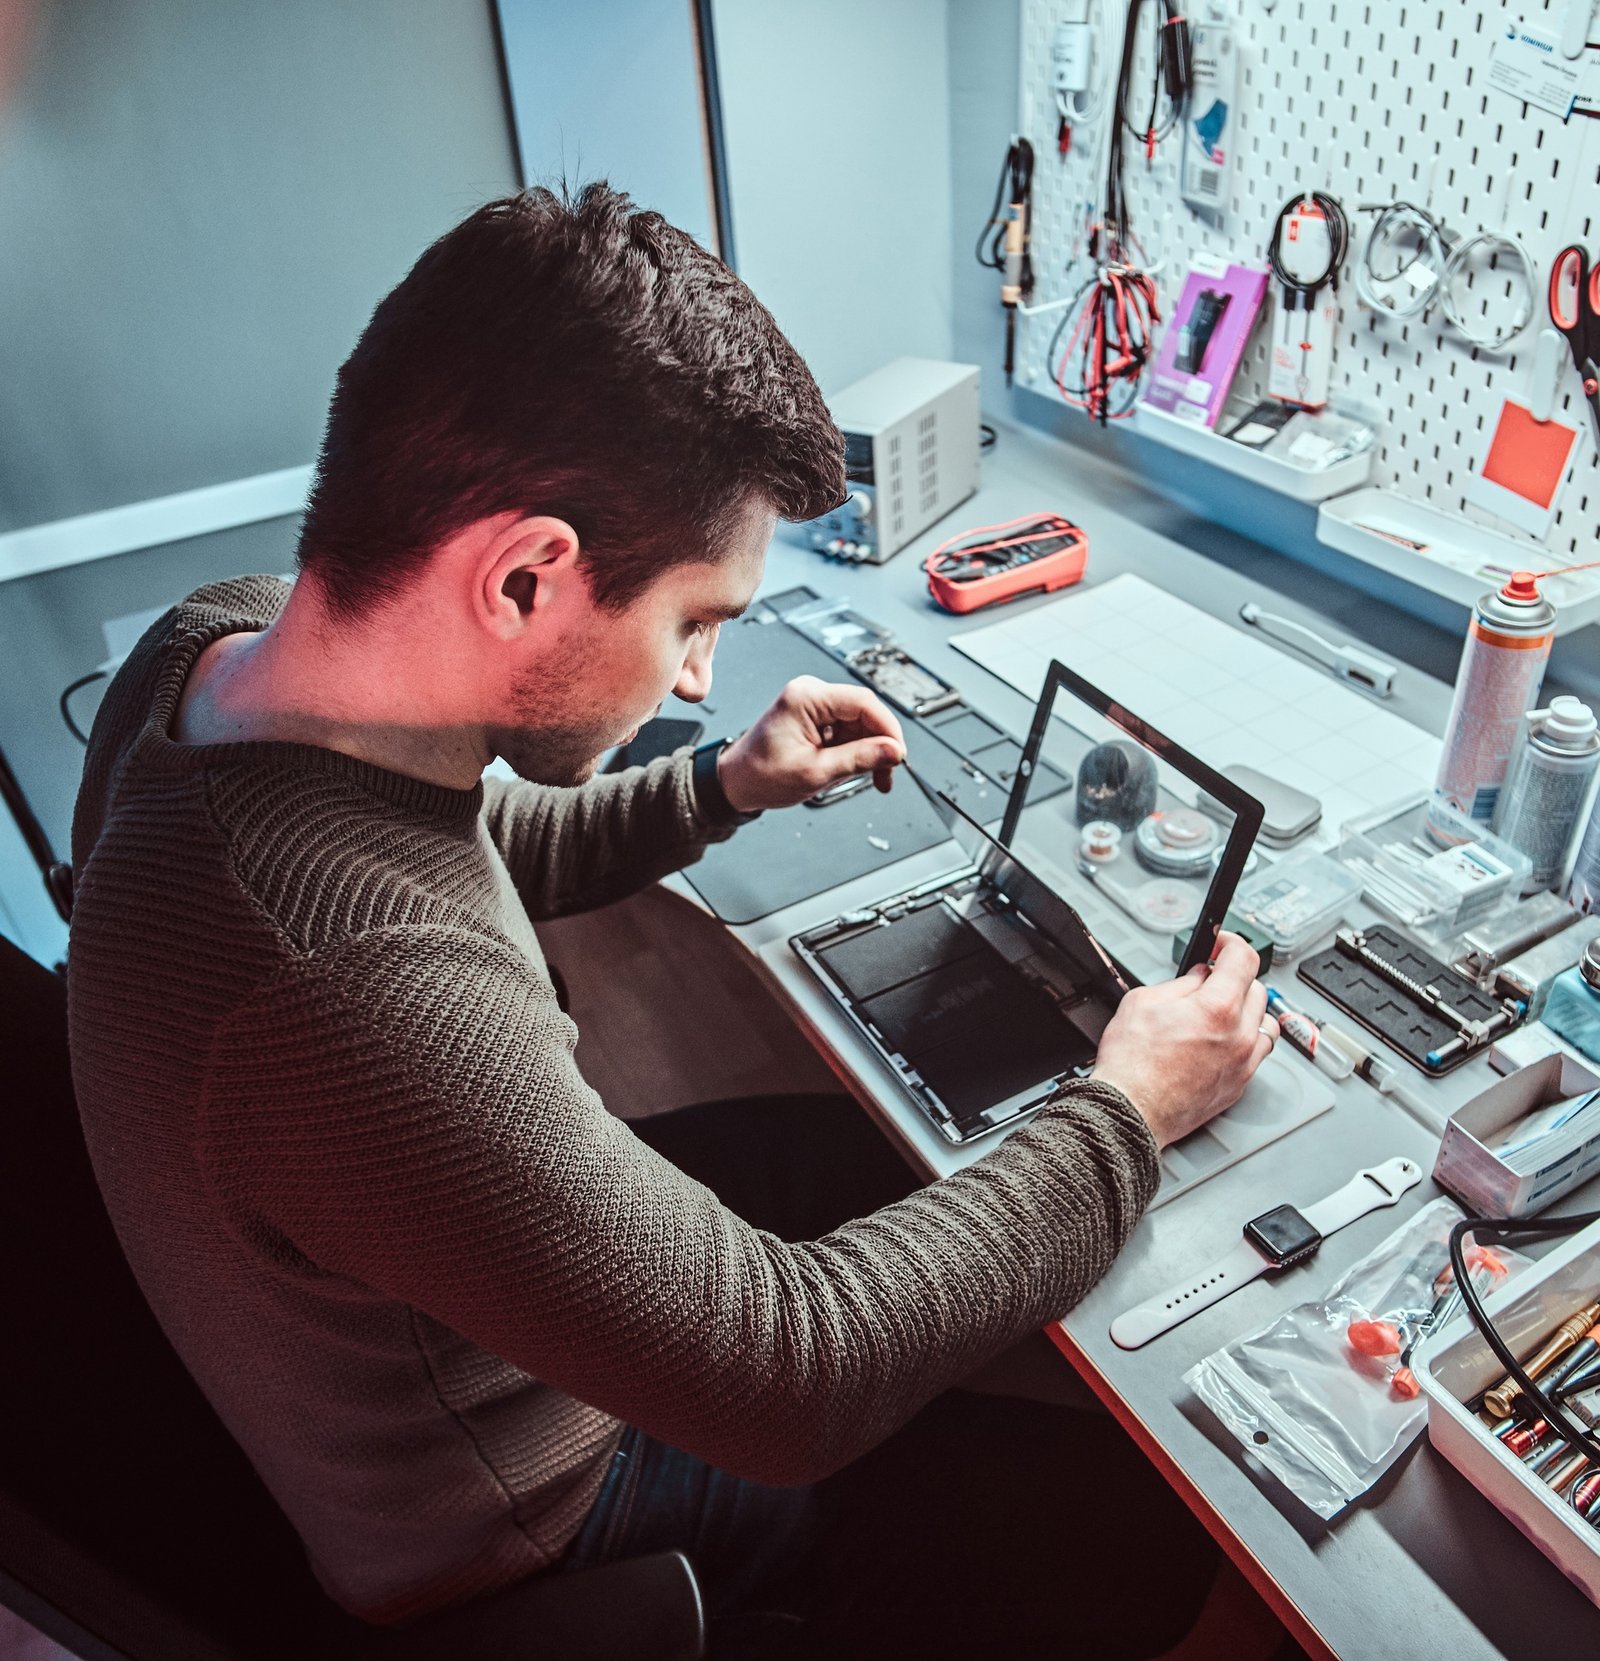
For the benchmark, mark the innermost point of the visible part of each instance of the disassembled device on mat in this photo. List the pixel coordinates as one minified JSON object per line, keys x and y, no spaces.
{"x":984,"y":989}
{"x":869,"y":651}
{"x":1035,"y":554}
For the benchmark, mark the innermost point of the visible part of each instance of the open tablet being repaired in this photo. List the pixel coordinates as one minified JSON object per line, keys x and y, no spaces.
{"x":984,"y":989}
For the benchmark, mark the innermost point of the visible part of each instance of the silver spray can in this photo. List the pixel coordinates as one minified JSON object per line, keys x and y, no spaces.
{"x":1502,"y":668}
{"x":1547,"y":786}
{"x":1583,"y":889}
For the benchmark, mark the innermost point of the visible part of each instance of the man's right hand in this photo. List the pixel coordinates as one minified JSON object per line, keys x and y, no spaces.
{"x":1183,"y":1050}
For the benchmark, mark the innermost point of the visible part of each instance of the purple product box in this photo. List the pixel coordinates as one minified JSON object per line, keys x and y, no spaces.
{"x":1204,"y":341}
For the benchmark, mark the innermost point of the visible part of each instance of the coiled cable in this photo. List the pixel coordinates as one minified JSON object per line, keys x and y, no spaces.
{"x":1402,"y":261}
{"x":1458,"y":265}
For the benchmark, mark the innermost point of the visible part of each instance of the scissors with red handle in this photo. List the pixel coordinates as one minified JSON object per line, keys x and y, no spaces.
{"x":1575,"y":311}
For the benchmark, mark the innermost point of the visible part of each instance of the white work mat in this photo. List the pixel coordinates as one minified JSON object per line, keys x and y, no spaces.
{"x":1222,"y":693}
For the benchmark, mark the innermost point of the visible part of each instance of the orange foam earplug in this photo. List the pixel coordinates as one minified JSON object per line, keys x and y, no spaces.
{"x":1374,"y":1337}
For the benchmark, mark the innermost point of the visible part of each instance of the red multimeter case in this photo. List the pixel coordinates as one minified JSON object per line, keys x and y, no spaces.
{"x":1036,"y":554}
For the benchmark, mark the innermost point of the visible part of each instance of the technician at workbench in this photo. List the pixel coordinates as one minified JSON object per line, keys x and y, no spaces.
{"x":425,"y":1277}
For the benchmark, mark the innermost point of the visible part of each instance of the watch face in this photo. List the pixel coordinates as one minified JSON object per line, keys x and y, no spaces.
{"x":1282,"y":1234}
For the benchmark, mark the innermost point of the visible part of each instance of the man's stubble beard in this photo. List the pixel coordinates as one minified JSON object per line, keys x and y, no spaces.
{"x":548,"y":744}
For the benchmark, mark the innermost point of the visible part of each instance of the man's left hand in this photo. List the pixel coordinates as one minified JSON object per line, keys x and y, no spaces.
{"x":816,"y":733}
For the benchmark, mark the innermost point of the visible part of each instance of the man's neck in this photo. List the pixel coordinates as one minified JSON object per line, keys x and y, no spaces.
{"x":305,"y":681}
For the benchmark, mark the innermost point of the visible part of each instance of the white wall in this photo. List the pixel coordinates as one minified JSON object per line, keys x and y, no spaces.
{"x":611,"y":90}
{"x":202,"y":204}
{"x":837,"y":117}
{"x":251,"y":228}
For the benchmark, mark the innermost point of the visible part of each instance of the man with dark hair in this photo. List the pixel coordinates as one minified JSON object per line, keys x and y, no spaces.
{"x":468,"y":1325}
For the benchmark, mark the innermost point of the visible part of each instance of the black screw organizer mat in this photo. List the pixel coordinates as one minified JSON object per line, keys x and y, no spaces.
{"x":1402,"y":1022}
{"x":783,"y":858}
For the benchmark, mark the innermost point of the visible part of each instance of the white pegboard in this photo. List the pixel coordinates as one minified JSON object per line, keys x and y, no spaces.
{"x":1369,"y":101}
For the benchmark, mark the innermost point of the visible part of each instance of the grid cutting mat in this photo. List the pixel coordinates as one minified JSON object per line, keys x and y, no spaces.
{"x":1222,"y":693}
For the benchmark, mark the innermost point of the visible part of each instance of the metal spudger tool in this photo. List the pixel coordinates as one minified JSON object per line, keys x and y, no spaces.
{"x":1575,"y":311}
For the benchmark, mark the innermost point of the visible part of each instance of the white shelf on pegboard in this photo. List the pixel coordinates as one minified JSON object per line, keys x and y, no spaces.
{"x":1301,"y":484}
{"x":1445,"y":555}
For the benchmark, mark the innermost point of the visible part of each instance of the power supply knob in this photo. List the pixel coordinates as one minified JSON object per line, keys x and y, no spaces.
{"x":861,"y":501}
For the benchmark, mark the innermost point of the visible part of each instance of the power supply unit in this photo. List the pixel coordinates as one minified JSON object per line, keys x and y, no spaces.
{"x":911,"y":442}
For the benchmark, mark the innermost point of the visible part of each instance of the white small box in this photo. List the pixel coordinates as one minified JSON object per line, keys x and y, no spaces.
{"x":1475,"y":1174}
{"x":1456,"y":1365}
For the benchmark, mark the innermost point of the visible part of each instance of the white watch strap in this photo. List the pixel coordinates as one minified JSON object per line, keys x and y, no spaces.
{"x":1366,"y":1191}
{"x":1151,"y":1318}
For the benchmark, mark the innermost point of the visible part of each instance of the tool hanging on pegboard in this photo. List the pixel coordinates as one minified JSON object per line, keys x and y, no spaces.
{"x":1004,"y":242}
{"x":1106,"y":333}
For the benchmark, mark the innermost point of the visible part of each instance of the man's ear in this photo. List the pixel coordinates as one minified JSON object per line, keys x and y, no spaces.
{"x":521,"y":568}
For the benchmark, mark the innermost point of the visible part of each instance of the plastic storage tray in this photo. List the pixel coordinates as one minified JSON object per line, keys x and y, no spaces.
{"x":1395,"y":863}
{"x":1456,"y":1365}
{"x":1303,"y":484}
{"x":1297,"y":901}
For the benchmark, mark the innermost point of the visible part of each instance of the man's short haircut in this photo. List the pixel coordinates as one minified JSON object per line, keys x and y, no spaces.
{"x":568,"y":356}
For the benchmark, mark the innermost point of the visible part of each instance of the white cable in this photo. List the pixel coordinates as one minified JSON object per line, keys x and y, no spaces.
{"x":1083,"y":105}
{"x":1413,"y":285}
{"x":1496,"y":243}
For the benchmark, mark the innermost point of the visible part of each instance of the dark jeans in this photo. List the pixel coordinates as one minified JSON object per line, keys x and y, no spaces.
{"x":988,"y":1525}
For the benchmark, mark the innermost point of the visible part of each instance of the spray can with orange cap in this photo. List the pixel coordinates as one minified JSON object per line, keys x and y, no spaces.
{"x":1502,"y":669}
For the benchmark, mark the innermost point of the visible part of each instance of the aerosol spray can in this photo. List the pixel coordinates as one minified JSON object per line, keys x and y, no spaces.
{"x":1502,"y":668}
{"x":1547,"y":785}
{"x":1583,"y":891}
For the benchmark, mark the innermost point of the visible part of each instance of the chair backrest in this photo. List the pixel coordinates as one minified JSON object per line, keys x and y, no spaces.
{"x":132,"y":1527}
{"x":125,"y":1505}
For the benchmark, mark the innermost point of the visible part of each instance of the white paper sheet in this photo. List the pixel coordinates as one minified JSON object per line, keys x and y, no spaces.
{"x":1221,"y":692}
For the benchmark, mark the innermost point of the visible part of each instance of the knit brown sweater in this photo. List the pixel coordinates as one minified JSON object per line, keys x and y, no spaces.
{"x":420,"y":1271}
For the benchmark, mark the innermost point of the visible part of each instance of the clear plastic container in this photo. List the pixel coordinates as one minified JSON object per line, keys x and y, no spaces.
{"x":1434,"y":893}
{"x":1297,"y":901}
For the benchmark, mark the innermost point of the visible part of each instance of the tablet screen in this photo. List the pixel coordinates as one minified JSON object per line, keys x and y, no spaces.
{"x":1147,"y":834}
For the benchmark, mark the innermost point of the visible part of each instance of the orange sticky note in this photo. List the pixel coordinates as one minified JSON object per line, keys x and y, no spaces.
{"x":1528,"y":457}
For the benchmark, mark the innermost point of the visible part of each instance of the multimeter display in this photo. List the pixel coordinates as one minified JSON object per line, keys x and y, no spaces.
{"x":1035,"y":554}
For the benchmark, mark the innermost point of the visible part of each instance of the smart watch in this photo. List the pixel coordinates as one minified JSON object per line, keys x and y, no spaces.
{"x":708,"y":791}
{"x":1277,"y":1239}
{"x":1283,"y":1236}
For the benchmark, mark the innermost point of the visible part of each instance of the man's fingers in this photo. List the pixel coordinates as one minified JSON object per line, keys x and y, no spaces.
{"x":1183,"y":987}
{"x":1265,"y":1039}
{"x":878,"y":756}
{"x":832,"y":704}
{"x":1233,"y":967}
{"x":1255,"y":1004}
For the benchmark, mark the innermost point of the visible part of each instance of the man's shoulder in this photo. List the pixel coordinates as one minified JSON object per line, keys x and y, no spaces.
{"x":151,"y":676}
{"x":252,"y":601}
{"x":231,"y":605}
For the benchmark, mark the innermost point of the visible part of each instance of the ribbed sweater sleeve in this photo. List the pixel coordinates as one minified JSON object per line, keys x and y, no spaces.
{"x":403,"y":1111}
{"x":573,"y":849}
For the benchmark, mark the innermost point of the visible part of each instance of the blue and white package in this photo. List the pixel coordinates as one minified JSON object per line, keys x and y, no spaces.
{"x":1209,"y":122}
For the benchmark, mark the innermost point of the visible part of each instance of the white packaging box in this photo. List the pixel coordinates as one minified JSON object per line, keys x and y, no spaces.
{"x":1474,"y":1173}
{"x":1456,"y":1365}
